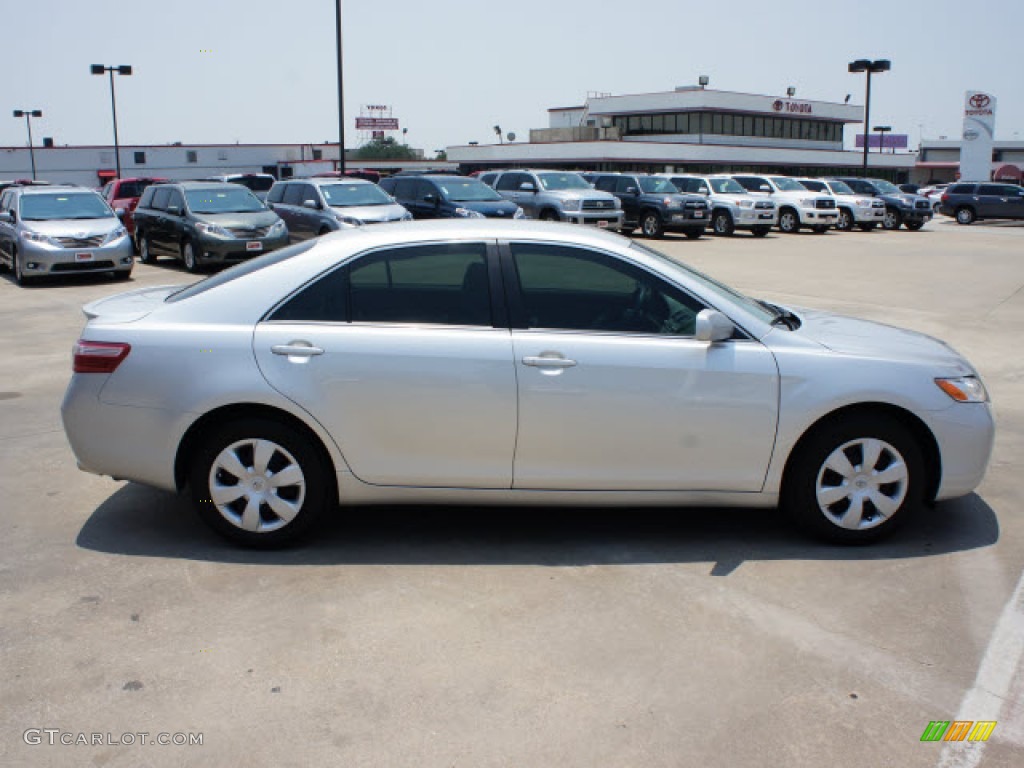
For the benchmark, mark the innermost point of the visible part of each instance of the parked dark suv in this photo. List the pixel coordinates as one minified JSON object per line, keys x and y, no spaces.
{"x":204,"y":222}
{"x":969,"y":202}
{"x":912,"y":211}
{"x":653,"y":204}
{"x":449,"y":197}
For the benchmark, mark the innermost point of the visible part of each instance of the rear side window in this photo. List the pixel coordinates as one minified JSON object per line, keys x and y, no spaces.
{"x":961,"y":189}
{"x":991,"y":189}
{"x":405,"y":189}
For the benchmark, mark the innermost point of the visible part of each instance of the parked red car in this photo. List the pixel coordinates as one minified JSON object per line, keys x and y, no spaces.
{"x":125,"y":193}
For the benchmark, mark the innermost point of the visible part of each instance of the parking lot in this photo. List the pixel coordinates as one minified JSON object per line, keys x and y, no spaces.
{"x":526,"y":637}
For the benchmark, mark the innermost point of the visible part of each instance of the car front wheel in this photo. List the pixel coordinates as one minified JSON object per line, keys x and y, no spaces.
{"x":855,"y":480}
{"x":651,"y":225}
{"x":789,"y":221}
{"x":259,"y":482}
{"x":145,"y":251}
{"x":722,"y":223}
{"x":845,"y":223}
{"x":964,"y":216}
{"x":892,"y":219}
{"x":188,"y":255}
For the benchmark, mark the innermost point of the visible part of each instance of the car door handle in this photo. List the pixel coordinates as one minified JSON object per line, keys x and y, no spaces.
{"x":297,"y":349}
{"x":549,"y":362}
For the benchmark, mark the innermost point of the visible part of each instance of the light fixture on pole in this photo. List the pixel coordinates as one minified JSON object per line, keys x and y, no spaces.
{"x":125,"y":70}
{"x":870,"y":67}
{"x":703,"y":81}
{"x":882,"y":130}
{"x":791,"y":91}
{"x":497,"y":130}
{"x":28,"y":114}
{"x":341,"y":89}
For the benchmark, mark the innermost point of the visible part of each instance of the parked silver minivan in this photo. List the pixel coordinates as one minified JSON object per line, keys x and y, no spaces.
{"x":59,"y":230}
{"x":314,"y":207}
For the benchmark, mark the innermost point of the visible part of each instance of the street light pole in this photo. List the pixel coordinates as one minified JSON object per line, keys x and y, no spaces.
{"x":882,"y":130}
{"x":868,"y":66}
{"x":28,"y":114}
{"x":123,"y":69}
{"x":341,"y":89}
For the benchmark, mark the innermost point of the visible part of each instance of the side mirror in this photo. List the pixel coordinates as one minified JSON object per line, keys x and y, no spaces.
{"x":527,"y":186}
{"x":765,"y":188}
{"x":713,"y":326}
{"x":311,"y":204}
{"x":704,"y":191}
{"x":119,"y":212}
{"x":7,"y":217}
{"x":431,"y":199}
{"x":174,"y":210}
{"x":632,"y":191}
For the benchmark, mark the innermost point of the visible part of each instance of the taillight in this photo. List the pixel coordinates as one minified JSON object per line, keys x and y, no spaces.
{"x":98,"y":356}
{"x":945,"y":197}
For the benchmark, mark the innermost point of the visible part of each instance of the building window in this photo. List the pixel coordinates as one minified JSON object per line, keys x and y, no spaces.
{"x":318,"y":154}
{"x":191,"y":156}
{"x":140,"y":158}
{"x":222,"y":154}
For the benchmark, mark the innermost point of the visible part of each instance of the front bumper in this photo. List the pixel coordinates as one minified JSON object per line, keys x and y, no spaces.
{"x":605,"y":219}
{"x":868,"y":215}
{"x":922,"y":215}
{"x":686,"y":218}
{"x":748,"y":218}
{"x":40,"y":259}
{"x":819,"y":217}
{"x":217,"y":250}
{"x":965,"y":433}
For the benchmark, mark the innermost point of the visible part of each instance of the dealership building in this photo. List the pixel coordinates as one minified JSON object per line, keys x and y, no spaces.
{"x":939,"y":161}
{"x":693,"y":129}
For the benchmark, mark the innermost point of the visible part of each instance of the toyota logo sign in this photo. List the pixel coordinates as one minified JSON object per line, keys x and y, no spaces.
{"x":980,"y":101}
{"x":777,"y":105}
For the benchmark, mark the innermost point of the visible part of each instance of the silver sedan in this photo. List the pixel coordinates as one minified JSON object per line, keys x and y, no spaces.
{"x":476,"y":362}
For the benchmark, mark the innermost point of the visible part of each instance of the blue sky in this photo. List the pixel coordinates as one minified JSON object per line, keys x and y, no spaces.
{"x":264,"y":71}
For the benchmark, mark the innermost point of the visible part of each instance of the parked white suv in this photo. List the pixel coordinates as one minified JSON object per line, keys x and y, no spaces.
{"x":557,"y":196}
{"x":732,"y":207}
{"x":864,"y":211}
{"x":798,"y":206}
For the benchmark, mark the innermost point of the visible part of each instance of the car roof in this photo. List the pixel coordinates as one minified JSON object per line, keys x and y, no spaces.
{"x":51,"y":188}
{"x":196,"y":184}
{"x":322,"y":180}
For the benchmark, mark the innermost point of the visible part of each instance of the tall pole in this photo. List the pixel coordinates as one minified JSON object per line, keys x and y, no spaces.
{"x":113,"y":109}
{"x":31,"y":149}
{"x":341,"y":90}
{"x":867,"y":116}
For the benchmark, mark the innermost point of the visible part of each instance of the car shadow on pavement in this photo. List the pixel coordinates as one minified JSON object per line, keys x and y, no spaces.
{"x":144,"y":522}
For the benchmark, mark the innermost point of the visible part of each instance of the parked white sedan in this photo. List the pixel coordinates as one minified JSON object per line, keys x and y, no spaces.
{"x":482,"y":362}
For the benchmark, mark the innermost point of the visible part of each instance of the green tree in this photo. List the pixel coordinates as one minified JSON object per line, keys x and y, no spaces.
{"x":385,"y":149}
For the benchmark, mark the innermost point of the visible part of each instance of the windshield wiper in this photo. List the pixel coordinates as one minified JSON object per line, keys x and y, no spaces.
{"x":782,"y":315}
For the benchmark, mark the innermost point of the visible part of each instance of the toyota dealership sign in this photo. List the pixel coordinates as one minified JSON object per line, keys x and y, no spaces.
{"x":978,"y":136}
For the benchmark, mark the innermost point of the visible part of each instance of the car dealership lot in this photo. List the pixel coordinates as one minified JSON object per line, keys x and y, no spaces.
{"x":523,"y":637}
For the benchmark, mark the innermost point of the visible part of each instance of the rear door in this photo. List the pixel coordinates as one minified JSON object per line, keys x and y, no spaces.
{"x":156,"y":227}
{"x":1014,"y":202}
{"x":405,"y":357}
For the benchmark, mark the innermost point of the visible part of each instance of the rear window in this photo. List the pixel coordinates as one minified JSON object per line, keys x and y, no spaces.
{"x":133,"y":188}
{"x":241,"y":270}
{"x":255,"y":183}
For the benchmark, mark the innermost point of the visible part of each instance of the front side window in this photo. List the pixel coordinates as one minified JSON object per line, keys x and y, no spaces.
{"x":467,"y":190}
{"x":625,"y":183}
{"x":510,"y":182}
{"x":159,"y":199}
{"x":657,"y":185}
{"x":567,"y":288}
{"x":63,"y":206}
{"x":605,"y":184}
{"x":840,"y":188}
{"x":727,"y":187}
{"x":814,"y":186}
{"x":562,"y":181}
{"x":437,"y":284}
{"x":788,"y":185}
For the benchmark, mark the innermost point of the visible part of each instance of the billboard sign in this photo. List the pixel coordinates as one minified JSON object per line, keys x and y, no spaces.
{"x":884,"y":141}
{"x":978,"y":136}
{"x":377,"y":123}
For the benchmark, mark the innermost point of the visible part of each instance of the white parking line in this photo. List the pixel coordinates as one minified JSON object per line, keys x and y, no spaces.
{"x":999,"y":666}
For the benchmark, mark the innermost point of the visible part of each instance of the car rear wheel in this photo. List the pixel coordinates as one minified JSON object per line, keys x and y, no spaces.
{"x":146,"y":255}
{"x":549,"y":215}
{"x":869,"y":227}
{"x":759,"y":231}
{"x":694,"y":234}
{"x":789,"y":221}
{"x":121,"y":274}
{"x":188,"y":255}
{"x":892,"y":219}
{"x":913,"y":226}
{"x":820,"y":229}
{"x":855,"y":480}
{"x":964,"y":215}
{"x":722,"y":223}
{"x":845,"y":222}
{"x":259,"y":482}
{"x":650,"y":224}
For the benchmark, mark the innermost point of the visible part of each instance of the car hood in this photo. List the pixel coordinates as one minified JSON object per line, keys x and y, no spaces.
{"x":496,"y":208}
{"x":735,"y":197}
{"x":852,"y":336}
{"x":74,"y":227}
{"x":129,"y":306}
{"x":581,"y":194}
{"x":240,"y":220}
{"x":680,"y":197}
{"x":371,"y":214}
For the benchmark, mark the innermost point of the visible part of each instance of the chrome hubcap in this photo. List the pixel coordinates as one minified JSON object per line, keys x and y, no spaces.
{"x":787,"y":221}
{"x":861,"y":484}
{"x":257,"y":485}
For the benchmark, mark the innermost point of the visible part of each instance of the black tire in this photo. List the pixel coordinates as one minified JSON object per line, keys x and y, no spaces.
{"x":627,"y":231}
{"x":789,"y":221}
{"x":845,"y":221}
{"x":694,"y":234}
{"x":893,"y":219}
{"x":869,"y":227}
{"x":121,"y":274}
{"x":314,"y":469}
{"x":19,"y":274}
{"x":760,"y":231}
{"x":965,"y":215}
{"x":722,"y":223}
{"x":323,"y":231}
{"x":146,"y":255}
{"x":820,"y":229}
{"x":650,"y":224}
{"x":799,"y":492}
{"x":189,"y":257}
{"x":914,"y":226}
{"x":549,"y":215}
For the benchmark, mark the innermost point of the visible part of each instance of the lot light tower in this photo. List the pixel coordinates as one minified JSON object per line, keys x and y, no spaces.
{"x":28,"y":114}
{"x":882,"y":130}
{"x":870,"y":67}
{"x":341,"y":88}
{"x":125,"y":70}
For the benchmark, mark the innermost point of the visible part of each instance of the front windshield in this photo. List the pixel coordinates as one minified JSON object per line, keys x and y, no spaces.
{"x":559,"y":181}
{"x":658,"y":186}
{"x":840,"y":188}
{"x":467,"y":190}
{"x":226,"y":199}
{"x":754,"y":307}
{"x":348,"y":195}
{"x":788,"y":185}
{"x":886,"y":187}
{"x":815,"y":186}
{"x":64,"y":205}
{"x":727,"y":187}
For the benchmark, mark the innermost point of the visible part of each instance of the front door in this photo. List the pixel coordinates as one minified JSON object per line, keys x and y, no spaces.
{"x":403,"y":358}
{"x":614,"y":391}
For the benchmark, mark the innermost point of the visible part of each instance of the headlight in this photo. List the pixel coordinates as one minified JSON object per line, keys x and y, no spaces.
{"x":348,"y":221}
{"x":807,"y":202}
{"x":670,"y":203}
{"x":572,"y":204}
{"x":406,"y":216}
{"x":964,"y":389}
{"x":117,"y":234}
{"x":746,"y":203}
{"x":864,"y":202}
{"x":466,"y":213}
{"x":278,"y":228}
{"x":36,"y":237}
{"x":212,"y":230}
{"x":519,"y":213}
